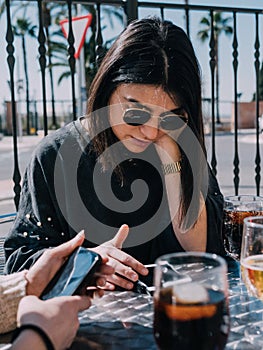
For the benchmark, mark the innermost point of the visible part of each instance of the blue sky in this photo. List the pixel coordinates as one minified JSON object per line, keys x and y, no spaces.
{"x":246,"y":38}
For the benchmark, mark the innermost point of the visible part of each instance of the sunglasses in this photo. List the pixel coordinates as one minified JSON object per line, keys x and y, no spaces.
{"x":167,"y":120}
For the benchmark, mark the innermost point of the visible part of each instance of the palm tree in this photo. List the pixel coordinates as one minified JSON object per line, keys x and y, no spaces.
{"x":2,"y":7}
{"x":58,"y":45}
{"x":23,"y":28}
{"x":221,"y":25}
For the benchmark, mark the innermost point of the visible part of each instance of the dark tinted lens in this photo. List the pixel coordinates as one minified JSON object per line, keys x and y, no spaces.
{"x":172,"y":122}
{"x":135,"y":117}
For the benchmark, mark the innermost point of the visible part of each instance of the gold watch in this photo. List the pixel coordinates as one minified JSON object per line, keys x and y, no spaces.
{"x":172,"y":168}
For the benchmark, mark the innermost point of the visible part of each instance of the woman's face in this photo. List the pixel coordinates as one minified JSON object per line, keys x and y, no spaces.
{"x":139,"y":97}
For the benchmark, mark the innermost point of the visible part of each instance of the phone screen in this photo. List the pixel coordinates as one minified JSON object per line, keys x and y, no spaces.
{"x":75,"y":275}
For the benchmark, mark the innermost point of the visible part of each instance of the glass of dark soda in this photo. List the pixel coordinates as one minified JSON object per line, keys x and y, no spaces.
{"x":191,"y":302}
{"x":236,"y":209}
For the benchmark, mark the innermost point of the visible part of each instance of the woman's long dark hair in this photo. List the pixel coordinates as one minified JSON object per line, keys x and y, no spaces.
{"x":150,"y":51}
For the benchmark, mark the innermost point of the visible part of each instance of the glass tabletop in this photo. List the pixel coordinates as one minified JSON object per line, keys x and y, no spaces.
{"x":123,"y":320}
{"x":126,"y":318}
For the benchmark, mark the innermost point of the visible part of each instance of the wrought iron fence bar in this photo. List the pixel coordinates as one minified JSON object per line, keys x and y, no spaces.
{"x":212,"y":63}
{"x":54,"y":121}
{"x":162,"y":12}
{"x":235,"y":67}
{"x":11,"y":63}
{"x":187,"y":21}
{"x":71,"y":59}
{"x":98,"y":37}
{"x":257,"y":66}
{"x":167,"y":5}
{"x":131,"y":10}
{"x":42,"y":63}
{"x":170,"y":5}
{"x":199,"y":7}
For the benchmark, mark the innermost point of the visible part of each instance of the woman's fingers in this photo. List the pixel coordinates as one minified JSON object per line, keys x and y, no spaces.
{"x":109,"y":286}
{"x":105,"y":269}
{"x":125,"y":264}
{"x":124,"y":275}
{"x":100,"y":282}
{"x":121,"y":282}
{"x":120,"y":236}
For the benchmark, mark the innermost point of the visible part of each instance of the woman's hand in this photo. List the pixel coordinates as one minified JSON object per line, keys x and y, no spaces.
{"x":167,"y":149}
{"x":58,"y":317}
{"x":126,"y":267}
{"x":45,"y":268}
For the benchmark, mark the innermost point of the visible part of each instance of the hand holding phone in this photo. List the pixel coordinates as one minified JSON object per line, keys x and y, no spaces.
{"x":75,"y":275}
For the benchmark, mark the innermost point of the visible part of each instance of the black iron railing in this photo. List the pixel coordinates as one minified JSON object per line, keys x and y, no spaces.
{"x":131,"y":10}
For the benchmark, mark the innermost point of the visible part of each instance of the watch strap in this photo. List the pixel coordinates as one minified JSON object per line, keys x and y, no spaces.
{"x":172,"y":168}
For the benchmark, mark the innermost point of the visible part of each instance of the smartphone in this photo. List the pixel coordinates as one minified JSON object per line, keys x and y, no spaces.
{"x":75,"y":275}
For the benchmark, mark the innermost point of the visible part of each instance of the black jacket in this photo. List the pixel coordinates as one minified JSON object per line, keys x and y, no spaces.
{"x":61,"y":195}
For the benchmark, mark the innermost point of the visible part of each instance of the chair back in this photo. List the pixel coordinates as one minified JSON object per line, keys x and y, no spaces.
{"x":5,"y":222}
{"x":2,"y":255}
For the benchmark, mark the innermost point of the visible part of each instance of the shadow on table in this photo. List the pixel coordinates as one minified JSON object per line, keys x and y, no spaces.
{"x":114,"y":336}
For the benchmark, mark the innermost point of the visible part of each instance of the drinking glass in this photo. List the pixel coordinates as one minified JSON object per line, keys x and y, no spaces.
{"x":252,"y":270}
{"x":236,"y":209}
{"x":191,"y":302}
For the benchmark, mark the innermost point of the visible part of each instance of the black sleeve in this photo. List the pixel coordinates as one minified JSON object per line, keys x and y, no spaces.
{"x":214,"y":207}
{"x":39,"y":223}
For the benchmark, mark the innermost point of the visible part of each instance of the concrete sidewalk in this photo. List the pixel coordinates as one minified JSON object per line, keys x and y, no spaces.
{"x":26,"y":145}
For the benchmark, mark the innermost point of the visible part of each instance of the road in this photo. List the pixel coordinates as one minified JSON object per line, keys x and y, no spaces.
{"x":225,"y":155}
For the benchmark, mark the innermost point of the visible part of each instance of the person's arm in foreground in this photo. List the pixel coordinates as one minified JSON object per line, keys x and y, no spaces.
{"x":49,"y":316}
{"x":32,"y":282}
{"x":42,"y":272}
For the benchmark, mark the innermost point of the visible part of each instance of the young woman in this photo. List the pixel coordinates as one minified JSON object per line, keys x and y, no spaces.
{"x":138,"y":158}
